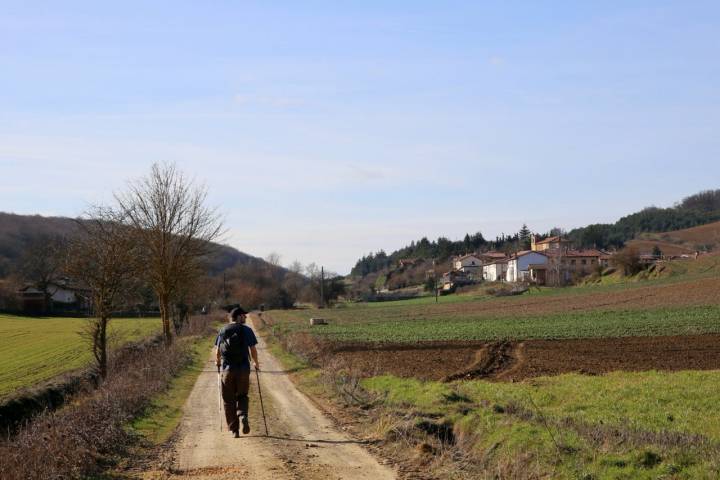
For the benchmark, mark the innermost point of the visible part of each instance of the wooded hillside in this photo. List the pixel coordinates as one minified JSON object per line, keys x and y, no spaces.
{"x":694,"y":210}
{"x":19,"y":231}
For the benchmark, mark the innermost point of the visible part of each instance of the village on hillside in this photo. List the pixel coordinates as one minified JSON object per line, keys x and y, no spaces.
{"x":552,"y":261}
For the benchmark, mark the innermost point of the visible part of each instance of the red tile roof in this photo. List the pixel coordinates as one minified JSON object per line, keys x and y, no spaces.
{"x":493,"y":255}
{"x":574,"y":253}
{"x":553,"y":240}
{"x":525,"y":252}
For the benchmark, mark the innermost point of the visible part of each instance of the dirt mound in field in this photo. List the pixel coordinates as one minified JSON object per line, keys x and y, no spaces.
{"x":513,"y":361}
{"x":492,"y":360}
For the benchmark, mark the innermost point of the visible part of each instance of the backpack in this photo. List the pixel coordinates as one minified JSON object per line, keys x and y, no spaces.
{"x":233,"y":348}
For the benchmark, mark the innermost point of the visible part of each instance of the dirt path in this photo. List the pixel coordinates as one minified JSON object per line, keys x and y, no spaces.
{"x":302,"y":442}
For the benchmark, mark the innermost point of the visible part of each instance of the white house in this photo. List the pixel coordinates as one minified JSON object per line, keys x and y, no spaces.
{"x":61,"y":292}
{"x":494,"y":271}
{"x":518,"y":265}
{"x":57,"y":294}
{"x":467,"y":263}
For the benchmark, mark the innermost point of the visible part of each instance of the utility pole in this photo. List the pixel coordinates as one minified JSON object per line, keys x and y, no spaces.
{"x":322,"y":287}
{"x":435,"y":281}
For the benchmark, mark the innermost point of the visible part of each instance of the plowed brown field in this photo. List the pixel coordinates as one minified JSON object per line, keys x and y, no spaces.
{"x":512,"y":361}
{"x":703,"y":291}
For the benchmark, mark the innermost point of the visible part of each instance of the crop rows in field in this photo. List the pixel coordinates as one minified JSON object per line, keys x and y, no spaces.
{"x":36,"y":349}
{"x":602,"y":323}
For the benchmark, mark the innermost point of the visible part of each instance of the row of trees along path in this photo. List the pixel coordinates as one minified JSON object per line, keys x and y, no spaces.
{"x":156,"y":233}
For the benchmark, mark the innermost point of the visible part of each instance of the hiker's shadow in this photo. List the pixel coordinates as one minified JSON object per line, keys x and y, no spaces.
{"x":282,"y":372}
{"x":308,"y":440}
{"x":269,"y":372}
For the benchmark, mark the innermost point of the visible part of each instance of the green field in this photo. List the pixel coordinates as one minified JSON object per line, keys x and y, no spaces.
{"x":620,"y":425}
{"x":593,"y":324}
{"x":36,"y":349}
{"x":684,"y":300}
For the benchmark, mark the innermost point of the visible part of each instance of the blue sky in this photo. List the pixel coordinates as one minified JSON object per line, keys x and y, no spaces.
{"x":326,"y":130}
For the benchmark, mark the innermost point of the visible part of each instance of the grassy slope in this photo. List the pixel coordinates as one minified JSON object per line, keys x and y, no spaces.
{"x":619,"y":425}
{"x":700,"y":237}
{"x":36,"y":349}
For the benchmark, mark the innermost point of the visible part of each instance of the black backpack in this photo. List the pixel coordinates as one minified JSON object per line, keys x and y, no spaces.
{"x":233,"y":348}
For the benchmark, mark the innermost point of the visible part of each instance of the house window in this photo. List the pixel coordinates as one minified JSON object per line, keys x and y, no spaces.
{"x":572,"y":262}
{"x":592,"y":261}
{"x":583,"y":261}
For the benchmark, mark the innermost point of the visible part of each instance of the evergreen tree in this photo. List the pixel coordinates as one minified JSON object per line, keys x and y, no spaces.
{"x":524,"y":237}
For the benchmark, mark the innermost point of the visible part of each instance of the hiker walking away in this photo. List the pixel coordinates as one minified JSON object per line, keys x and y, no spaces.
{"x":234,"y":341}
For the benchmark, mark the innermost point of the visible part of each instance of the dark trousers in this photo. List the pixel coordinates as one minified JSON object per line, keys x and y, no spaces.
{"x":235,"y":385}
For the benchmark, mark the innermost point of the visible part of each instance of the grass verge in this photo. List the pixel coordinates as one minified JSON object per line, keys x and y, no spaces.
{"x":620,"y":425}
{"x":161,"y":417}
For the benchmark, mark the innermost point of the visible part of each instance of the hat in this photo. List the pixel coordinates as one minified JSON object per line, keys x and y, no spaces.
{"x":237,"y":311}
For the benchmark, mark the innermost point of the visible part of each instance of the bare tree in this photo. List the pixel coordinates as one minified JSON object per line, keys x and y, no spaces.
{"x":174,"y":227}
{"x":294,"y":280}
{"x":41,"y":264}
{"x":296,"y":267}
{"x":104,"y":257}
{"x":628,"y":259}
{"x":273,"y":259}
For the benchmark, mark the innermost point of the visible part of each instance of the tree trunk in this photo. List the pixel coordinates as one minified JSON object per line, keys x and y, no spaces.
{"x":102,"y":345}
{"x":165,"y":316}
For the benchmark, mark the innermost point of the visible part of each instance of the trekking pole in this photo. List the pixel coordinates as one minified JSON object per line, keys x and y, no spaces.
{"x":220,"y":402}
{"x":262,"y":407}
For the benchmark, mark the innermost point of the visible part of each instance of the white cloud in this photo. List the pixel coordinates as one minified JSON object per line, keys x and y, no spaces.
{"x":254,"y":100}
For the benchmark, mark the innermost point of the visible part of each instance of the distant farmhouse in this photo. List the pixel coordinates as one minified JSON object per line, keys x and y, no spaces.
{"x":550,"y":243}
{"x":64,"y":295}
{"x":494,"y":270}
{"x":469,"y":264}
{"x":550,"y":261}
{"x":518,"y":267}
{"x":564,"y":264}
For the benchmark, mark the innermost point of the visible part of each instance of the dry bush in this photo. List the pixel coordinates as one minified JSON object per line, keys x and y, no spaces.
{"x":307,"y":347}
{"x":340,"y":377}
{"x":81,"y":439}
{"x":627,"y":260}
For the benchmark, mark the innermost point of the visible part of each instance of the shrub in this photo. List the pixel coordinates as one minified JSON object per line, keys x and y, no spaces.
{"x":628,"y":260}
{"x":79,"y":440}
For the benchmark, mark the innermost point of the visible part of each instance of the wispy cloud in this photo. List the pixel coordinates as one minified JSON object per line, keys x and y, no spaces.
{"x":273,"y":101}
{"x":367,"y":174}
{"x":496,"y":61}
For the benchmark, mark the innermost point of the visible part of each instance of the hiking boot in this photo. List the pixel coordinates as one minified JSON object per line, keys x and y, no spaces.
{"x":236,"y":434}
{"x":246,"y":425}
